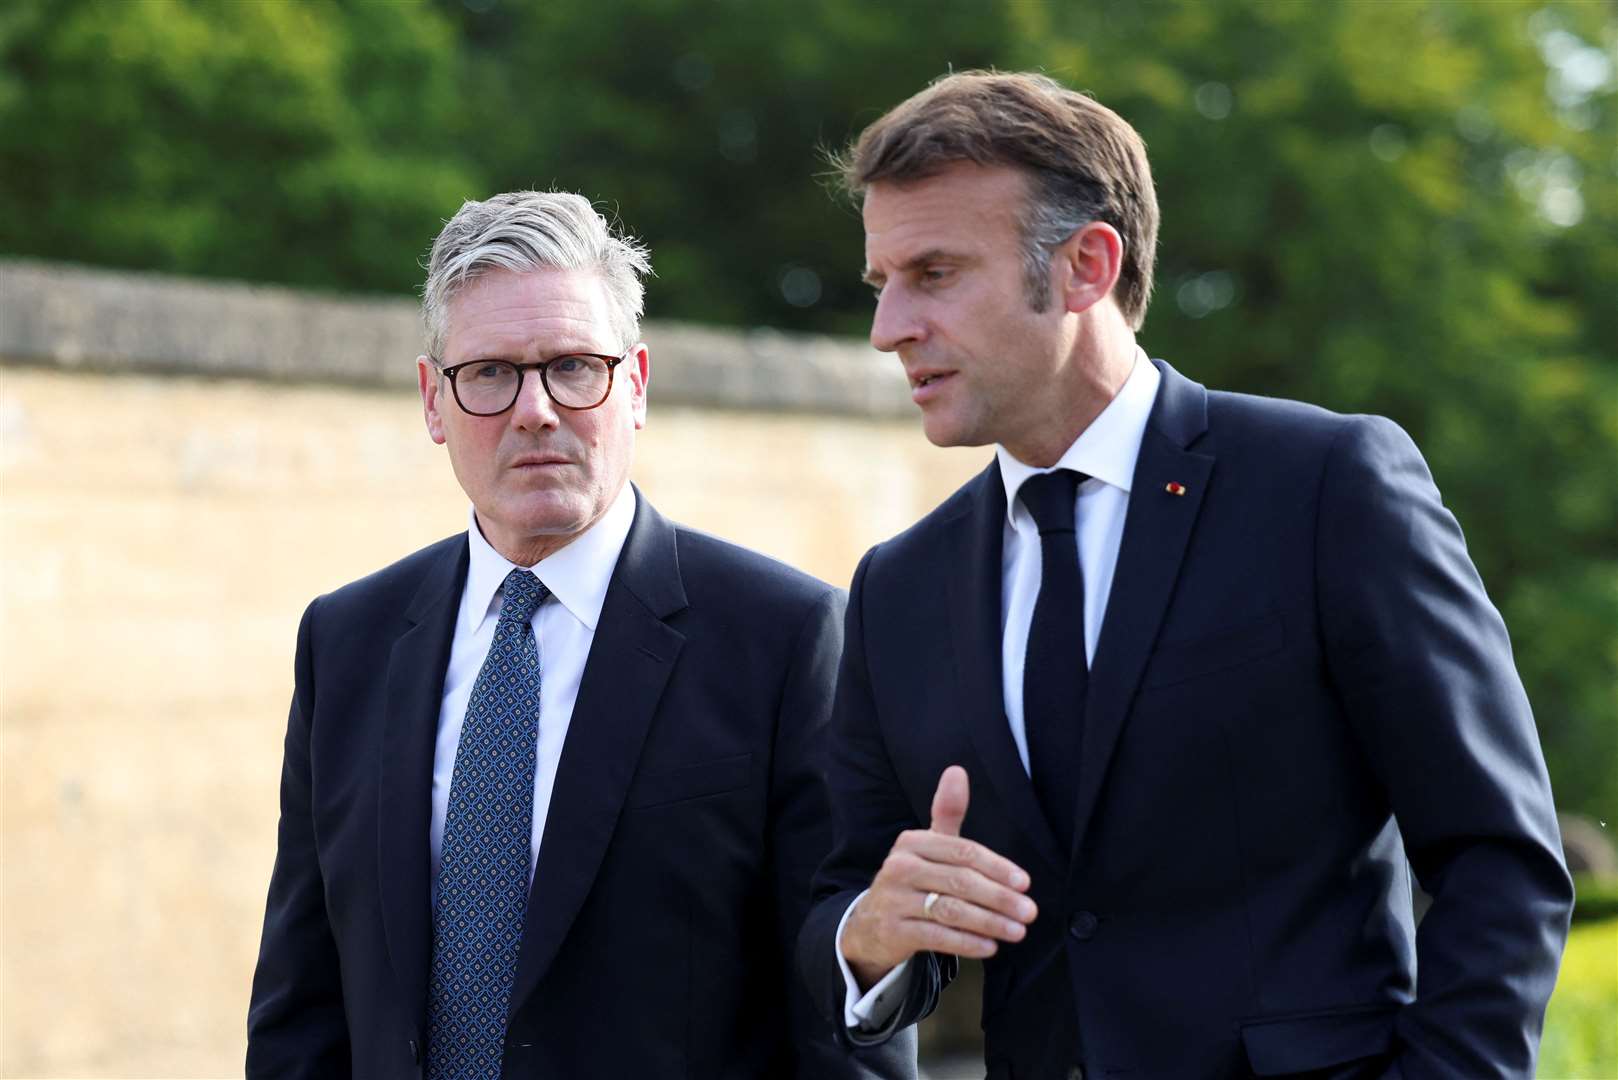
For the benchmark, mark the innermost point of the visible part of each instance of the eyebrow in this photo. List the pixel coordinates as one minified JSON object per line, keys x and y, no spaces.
{"x":931,"y":255}
{"x":513,"y":358}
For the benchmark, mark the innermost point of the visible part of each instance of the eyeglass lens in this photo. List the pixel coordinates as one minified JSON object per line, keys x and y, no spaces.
{"x":580,"y":382}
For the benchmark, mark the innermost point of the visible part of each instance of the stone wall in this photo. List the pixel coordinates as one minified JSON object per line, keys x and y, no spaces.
{"x":182,"y":467}
{"x":75,"y":318}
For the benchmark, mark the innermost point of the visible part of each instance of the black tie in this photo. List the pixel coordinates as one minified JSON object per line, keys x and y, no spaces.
{"x":1056,"y":675}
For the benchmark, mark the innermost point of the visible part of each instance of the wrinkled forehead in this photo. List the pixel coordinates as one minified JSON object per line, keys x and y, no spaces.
{"x":503,"y":313}
{"x":965,"y":207}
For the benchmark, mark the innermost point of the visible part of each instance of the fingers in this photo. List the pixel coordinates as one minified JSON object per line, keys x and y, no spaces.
{"x":949,"y":801}
{"x":886,"y":926}
{"x":927,"y":935}
{"x":980,"y":903}
{"x":967,"y":886}
{"x":949,"y":811}
{"x":876,"y":938}
{"x":974,"y":887}
{"x":964,"y":916}
{"x":957,"y":851}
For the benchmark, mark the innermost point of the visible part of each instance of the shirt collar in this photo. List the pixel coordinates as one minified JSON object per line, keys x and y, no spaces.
{"x":577,"y":574}
{"x":1107,"y":449}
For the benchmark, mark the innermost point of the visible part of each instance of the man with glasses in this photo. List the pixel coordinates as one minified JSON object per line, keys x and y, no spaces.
{"x":551,"y":797}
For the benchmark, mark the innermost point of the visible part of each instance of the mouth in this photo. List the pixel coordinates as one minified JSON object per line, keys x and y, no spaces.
{"x":926,"y":384}
{"x":926,"y":376}
{"x":539,"y":461}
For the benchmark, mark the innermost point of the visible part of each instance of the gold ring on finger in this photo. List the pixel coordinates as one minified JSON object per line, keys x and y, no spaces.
{"x":927,"y":905}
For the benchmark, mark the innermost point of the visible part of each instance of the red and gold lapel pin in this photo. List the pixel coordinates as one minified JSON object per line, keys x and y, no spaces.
{"x":1174,"y":488}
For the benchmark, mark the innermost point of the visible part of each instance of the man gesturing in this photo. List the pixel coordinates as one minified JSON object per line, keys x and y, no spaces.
{"x":936,"y":892}
{"x":1219,"y":669}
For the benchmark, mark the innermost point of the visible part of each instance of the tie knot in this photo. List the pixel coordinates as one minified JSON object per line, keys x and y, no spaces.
{"x":521,"y":594}
{"x":1049,"y":499}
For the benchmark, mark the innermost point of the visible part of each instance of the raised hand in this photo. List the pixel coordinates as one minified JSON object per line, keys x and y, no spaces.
{"x":937,"y":892}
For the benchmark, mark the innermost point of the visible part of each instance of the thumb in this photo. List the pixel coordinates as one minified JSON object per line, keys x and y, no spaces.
{"x":949,"y":801}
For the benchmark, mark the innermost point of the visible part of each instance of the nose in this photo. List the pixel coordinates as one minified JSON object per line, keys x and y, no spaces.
{"x":533,"y":410}
{"x":896,"y":321}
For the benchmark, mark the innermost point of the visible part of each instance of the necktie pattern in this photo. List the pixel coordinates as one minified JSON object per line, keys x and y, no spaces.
{"x":483,"y":865}
{"x":1056,"y":675}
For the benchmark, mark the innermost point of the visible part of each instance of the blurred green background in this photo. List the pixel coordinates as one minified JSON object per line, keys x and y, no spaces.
{"x":1402,"y":208}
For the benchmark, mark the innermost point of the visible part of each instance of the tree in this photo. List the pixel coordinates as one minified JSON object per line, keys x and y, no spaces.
{"x":277,"y":142}
{"x":1380,"y":208}
{"x":704,"y":123}
{"x":1408,"y":209}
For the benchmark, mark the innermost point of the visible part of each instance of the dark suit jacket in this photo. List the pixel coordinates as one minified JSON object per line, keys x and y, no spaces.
{"x":1299,"y":683}
{"x":688,"y":816}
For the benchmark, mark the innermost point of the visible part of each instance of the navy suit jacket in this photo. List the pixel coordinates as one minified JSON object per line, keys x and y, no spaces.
{"x":688,"y":816}
{"x":1299,"y":685}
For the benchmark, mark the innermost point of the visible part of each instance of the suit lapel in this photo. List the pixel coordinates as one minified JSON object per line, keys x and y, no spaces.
{"x":415,"y":688}
{"x":1157,"y":529}
{"x":630,"y":661}
{"x":975,"y":629}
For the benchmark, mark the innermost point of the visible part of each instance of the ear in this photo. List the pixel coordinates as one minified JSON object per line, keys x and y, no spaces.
{"x":430,"y":384}
{"x":1093,"y":258}
{"x":639,"y":366}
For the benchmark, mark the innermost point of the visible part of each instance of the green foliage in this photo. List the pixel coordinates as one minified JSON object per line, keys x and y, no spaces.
{"x":1360,"y":207}
{"x":1408,"y":209}
{"x":1596,"y":900}
{"x":703,"y":123}
{"x":1581,"y":1040}
{"x":285,"y":142}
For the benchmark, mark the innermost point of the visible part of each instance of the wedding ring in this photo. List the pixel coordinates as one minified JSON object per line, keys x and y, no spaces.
{"x":927,"y":905}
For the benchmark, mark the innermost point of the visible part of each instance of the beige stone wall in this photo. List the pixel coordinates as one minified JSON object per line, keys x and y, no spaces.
{"x":158,"y":540}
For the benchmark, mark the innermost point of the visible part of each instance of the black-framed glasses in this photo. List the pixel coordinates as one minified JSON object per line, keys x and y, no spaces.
{"x":574,"y":381}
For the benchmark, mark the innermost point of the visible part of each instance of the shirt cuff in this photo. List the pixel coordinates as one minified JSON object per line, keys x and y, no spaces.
{"x":879,"y":1006}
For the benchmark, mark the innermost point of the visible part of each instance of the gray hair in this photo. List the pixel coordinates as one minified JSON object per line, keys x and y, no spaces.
{"x":1056,"y":209}
{"x":534,"y":230}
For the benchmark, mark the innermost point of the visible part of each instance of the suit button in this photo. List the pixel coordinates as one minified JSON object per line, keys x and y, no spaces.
{"x":1082,"y":926}
{"x":415,"y":1051}
{"x":1075,"y":1073}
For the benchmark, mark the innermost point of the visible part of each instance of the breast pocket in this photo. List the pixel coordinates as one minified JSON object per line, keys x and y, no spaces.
{"x":690,"y":782}
{"x":1178,"y":661}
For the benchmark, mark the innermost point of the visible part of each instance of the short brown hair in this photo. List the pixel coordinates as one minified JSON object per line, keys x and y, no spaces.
{"x":1083,"y":161}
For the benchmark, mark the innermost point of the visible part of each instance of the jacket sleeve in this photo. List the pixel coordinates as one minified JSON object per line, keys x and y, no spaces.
{"x":868,"y":812}
{"x":296,"y":1026}
{"x":1422,"y":664}
{"x":801,"y":836}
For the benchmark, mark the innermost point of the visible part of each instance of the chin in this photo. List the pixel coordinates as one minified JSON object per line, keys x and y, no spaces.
{"x":941,"y":432}
{"x":543,"y":514}
{"x":567,"y":523}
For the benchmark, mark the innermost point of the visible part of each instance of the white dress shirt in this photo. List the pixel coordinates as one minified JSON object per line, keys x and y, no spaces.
{"x":564,"y":627}
{"x":1106,"y":452}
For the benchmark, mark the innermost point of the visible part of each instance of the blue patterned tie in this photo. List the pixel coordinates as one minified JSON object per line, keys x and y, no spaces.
{"x":483,"y":866}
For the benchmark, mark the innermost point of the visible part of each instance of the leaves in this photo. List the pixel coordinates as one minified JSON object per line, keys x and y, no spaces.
{"x":1409,"y":209}
{"x":256,"y":140}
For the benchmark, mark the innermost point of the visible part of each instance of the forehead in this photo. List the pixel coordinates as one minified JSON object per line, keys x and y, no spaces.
{"x":966,"y":208}
{"x":505,"y":312}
